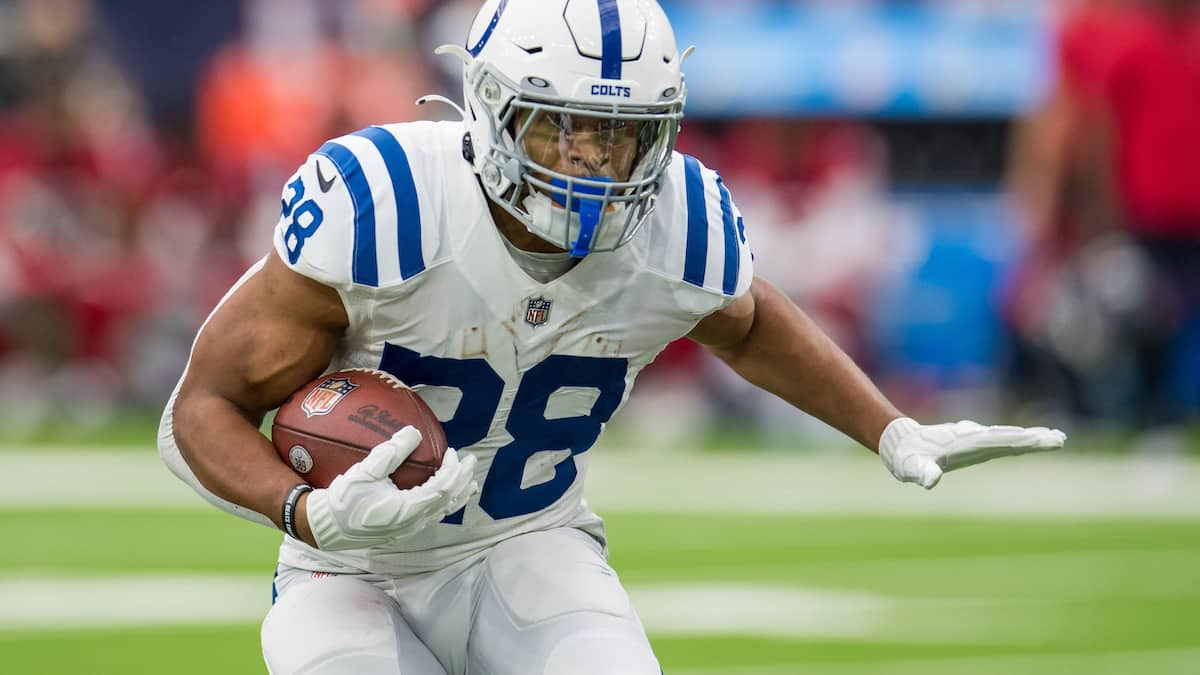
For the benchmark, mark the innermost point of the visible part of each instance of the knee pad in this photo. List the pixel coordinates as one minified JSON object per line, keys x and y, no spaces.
{"x":602,"y":652}
{"x":341,"y":626}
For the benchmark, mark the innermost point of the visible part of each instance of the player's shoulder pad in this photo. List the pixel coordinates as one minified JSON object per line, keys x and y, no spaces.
{"x":700,"y":238}
{"x":360,"y":212}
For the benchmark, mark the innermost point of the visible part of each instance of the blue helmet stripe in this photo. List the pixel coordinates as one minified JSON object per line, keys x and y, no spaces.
{"x":729,"y":283}
{"x":365,"y":268}
{"x":408,"y":208}
{"x":487,"y":33}
{"x":610,"y":28}
{"x":695,"y":261}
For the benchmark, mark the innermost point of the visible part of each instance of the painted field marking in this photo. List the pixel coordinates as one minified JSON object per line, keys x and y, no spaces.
{"x":1025,"y":487}
{"x":678,"y":610}
{"x":1143,"y":662}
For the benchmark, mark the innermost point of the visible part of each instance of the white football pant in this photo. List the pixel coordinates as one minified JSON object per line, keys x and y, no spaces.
{"x":539,"y":603}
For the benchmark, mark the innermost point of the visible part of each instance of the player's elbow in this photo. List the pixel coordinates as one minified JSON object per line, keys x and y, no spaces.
{"x":181,"y":436}
{"x":168,"y":445}
{"x":181,"y":426}
{"x":178,"y":422}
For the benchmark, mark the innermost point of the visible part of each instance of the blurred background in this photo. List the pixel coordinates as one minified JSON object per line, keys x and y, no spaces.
{"x":992,"y":205}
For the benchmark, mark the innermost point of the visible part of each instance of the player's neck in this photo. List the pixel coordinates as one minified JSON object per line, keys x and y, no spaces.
{"x":516,"y":233}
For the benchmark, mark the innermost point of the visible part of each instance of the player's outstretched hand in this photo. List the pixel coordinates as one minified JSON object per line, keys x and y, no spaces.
{"x":917,"y":453}
{"x":363,"y":508}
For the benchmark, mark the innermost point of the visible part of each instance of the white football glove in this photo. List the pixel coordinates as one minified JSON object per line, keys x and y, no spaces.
{"x":363,"y":508}
{"x":916,"y":453}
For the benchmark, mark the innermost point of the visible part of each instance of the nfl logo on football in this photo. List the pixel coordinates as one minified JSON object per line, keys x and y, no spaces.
{"x":538,"y":311}
{"x":322,"y":399}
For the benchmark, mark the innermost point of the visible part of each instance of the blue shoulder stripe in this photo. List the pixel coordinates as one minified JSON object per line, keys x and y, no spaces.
{"x":695,"y":261}
{"x":729,"y":283}
{"x":364,"y":268}
{"x":408,"y":209}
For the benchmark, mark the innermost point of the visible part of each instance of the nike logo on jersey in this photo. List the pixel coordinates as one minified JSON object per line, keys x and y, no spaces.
{"x":322,"y":182}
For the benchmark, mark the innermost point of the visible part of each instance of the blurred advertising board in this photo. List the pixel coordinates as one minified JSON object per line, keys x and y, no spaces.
{"x":900,"y":58}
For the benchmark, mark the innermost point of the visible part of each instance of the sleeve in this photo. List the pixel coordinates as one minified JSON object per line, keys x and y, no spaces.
{"x":350,"y":216}
{"x":706,"y":247}
{"x":316,"y":231}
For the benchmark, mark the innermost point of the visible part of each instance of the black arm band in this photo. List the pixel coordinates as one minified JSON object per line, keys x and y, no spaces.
{"x":289,"y":509}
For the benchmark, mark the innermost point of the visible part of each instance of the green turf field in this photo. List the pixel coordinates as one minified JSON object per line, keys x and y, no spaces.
{"x":876,"y":595}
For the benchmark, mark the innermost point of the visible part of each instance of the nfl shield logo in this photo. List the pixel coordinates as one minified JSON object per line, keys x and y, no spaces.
{"x":538,"y":311}
{"x":322,"y":399}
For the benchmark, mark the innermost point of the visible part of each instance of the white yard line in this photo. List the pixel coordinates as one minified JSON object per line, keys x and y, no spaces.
{"x":1143,"y":662}
{"x":676,"y":609}
{"x":1031,"y":486}
{"x":48,"y":603}
{"x":758,"y":610}
{"x":683,"y":609}
{"x":677,"y":482}
{"x":92,"y":478}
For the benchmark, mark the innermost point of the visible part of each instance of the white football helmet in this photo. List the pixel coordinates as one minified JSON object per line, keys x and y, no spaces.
{"x":573,"y":109}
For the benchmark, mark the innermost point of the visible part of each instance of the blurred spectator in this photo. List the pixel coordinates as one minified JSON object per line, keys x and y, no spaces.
{"x":1108,"y":308}
{"x":75,"y":151}
{"x":296,"y":76}
{"x":164,"y":47}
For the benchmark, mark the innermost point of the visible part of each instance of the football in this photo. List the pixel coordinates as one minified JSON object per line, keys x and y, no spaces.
{"x":331,"y":423}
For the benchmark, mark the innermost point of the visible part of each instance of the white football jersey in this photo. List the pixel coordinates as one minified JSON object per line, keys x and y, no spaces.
{"x":522,"y":374}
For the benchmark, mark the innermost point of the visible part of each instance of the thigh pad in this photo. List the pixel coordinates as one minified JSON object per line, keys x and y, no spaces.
{"x":541,"y":576}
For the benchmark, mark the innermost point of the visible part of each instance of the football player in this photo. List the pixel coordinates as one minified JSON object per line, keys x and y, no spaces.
{"x":519,"y":268}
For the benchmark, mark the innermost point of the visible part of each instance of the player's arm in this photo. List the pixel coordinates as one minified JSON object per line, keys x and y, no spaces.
{"x":273,"y":334}
{"x":275,"y":331}
{"x":769,"y":341}
{"x":772,"y":343}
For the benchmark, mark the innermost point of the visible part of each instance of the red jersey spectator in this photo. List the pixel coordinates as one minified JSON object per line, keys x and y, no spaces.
{"x":1147,"y":66}
{"x":1117,"y":149}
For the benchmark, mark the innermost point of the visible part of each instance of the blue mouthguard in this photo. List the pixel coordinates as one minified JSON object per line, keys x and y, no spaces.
{"x":589,"y":210}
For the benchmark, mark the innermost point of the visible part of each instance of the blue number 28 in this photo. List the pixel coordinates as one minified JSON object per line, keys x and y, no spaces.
{"x":298,"y":231}
{"x":502,"y":495}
